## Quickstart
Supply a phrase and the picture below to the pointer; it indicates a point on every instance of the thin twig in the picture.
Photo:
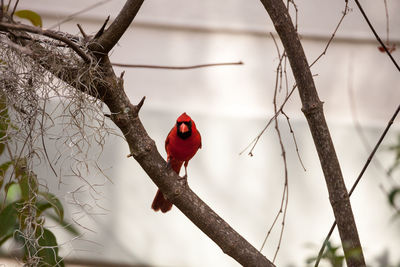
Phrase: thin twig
(15, 8)
(321, 251)
(357, 125)
(256, 139)
(344, 13)
(254, 142)
(85, 37)
(313, 111)
(387, 21)
(73, 15)
(102, 28)
(376, 35)
(294, 139)
(42, 137)
(140, 104)
(285, 194)
(4, 26)
(20, 49)
(1, 10)
(176, 67)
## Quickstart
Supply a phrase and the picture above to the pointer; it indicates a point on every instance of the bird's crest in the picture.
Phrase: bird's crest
(184, 118)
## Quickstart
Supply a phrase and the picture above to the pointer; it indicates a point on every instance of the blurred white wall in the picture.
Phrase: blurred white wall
(231, 105)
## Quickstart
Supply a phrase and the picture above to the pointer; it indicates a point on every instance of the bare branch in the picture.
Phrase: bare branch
(4, 26)
(294, 140)
(70, 17)
(111, 36)
(312, 108)
(376, 35)
(1, 9)
(82, 31)
(254, 142)
(344, 13)
(389, 124)
(285, 194)
(21, 49)
(143, 149)
(102, 28)
(140, 104)
(176, 67)
(110, 90)
(14, 9)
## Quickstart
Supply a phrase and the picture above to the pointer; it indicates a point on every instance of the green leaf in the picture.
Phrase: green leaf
(49, 249)
(3, 169)
(8, 219)
(30, 15)
(5, 238)
(51, 201)
(13, 191)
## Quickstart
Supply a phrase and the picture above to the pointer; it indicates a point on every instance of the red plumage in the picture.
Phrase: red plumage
(181, 145)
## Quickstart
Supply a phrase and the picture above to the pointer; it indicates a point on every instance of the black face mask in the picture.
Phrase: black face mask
(187, 134)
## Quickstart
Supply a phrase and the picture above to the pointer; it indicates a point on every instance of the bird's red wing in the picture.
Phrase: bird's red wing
(167, 140)
(200, 139)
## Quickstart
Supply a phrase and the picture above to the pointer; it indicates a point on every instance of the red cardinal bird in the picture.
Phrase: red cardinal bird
(181, 145)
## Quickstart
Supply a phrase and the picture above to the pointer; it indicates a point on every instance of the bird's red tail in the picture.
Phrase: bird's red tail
(161, 203)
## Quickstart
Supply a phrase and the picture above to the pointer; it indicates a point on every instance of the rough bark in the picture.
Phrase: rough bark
(313, 111)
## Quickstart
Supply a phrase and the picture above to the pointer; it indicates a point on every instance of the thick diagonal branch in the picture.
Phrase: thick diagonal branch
(312, 108)
(144, 150)
(111, 36)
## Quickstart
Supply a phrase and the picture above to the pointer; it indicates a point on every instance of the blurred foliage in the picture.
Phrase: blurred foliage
(394, 193)
(30, 15)
(396, 150)
(333, 255)
(24, 208)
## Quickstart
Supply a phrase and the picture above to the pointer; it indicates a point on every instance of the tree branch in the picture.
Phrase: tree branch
(111, 36)
(4, 26)
(313, 111)
(371, 155)
(176, 67)
(376, 35)
(110, 90)
(144, 150)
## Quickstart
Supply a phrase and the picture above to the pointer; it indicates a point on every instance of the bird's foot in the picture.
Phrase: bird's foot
(168, 164)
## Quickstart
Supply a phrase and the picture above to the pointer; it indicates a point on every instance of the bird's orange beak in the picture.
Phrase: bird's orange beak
(183, 128)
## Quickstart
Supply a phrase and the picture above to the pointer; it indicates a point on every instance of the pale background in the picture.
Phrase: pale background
(231, 105)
